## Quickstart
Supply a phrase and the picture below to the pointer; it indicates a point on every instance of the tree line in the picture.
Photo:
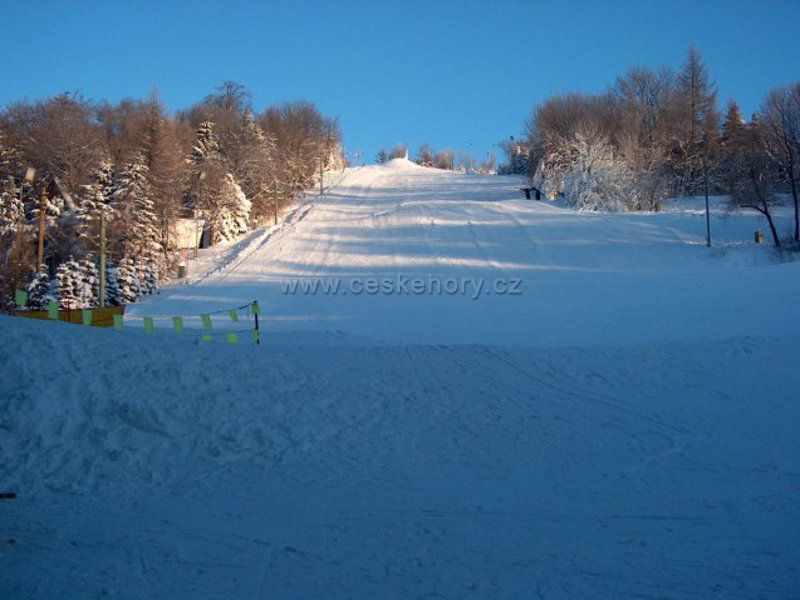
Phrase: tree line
(78, 168)
(446, 159)
(659, 133)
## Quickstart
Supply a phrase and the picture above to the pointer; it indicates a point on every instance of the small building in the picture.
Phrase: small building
(189, 233)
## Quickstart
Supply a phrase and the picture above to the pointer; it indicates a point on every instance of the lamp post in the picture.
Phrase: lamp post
(705, 189)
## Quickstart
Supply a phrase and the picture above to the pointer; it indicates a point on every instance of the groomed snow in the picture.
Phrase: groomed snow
(627, 427)
(586, 278)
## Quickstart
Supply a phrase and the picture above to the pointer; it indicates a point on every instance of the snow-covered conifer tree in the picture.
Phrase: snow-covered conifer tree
(96, 196)
(88, 284)
(206, 145)
(148, 277)
(11, 208)
(128, 278)
(65, 275)
(233, 218)
(113, 291)
(39, 295)
(133, 199)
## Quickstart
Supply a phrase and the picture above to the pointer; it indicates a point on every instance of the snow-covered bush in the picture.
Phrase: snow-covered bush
(596, 178)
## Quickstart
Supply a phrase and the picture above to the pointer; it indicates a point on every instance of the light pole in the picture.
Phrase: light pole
(705, 187)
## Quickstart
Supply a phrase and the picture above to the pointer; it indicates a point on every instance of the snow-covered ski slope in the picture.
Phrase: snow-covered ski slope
(626, 428)
(585, 278)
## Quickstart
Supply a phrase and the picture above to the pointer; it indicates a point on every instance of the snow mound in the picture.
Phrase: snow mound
(402, 164)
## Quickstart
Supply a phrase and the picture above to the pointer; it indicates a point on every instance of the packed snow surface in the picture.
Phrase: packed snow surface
(627, 426)
(585, 278)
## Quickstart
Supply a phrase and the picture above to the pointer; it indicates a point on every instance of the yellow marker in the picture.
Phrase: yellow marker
(148, 325)
(177, 323)
(86, 315)
(117, 322)
(52, 310)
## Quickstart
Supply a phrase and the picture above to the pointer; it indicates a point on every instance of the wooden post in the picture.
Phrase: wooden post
(42, 208)
(321, 174)
(255, 314)
(275, 202)
(102, 257)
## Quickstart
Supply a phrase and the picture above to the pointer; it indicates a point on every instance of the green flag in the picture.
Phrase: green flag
(206, 321)
(256, 335)
(86, 316)
(234, 315)
(148, 325)
(52, 310)
(256, 309)
(177, 323)
(117, 322)
(20, 298)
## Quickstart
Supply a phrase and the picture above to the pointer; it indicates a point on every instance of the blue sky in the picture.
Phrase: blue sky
(460, 74)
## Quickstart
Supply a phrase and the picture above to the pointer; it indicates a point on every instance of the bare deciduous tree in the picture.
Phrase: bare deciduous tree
(780, 121)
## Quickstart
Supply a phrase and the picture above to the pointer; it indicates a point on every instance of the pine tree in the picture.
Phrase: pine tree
(233, 217)
(251, 158)
(206, 145)
(39, 295)
(9, 159)
(96, 196)
(113, 291)
(65, 275)
(133, 198)
(12, 211)
(148, 277)
(147, 274)
(128, 278)
(697, 135)
(207, 179)
(88, 284)
(733, 123)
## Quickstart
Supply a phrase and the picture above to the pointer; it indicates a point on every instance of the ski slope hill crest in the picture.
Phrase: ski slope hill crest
(583, 278)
